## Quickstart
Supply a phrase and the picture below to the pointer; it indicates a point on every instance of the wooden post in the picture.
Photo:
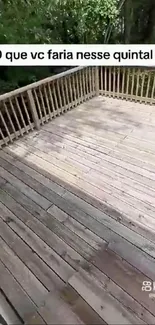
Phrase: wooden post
(97, 81)
(33, 109)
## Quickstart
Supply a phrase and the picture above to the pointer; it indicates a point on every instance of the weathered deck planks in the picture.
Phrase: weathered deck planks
(77, 217)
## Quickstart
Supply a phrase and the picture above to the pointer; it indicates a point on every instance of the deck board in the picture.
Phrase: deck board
(77, 217)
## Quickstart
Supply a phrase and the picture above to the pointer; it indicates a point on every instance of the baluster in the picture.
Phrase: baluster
(16, 118)
(110, 90)
(51, 100)
(38, 105)
(6, 128)
(90, 82)
(87, 89)
(71, 92)
(47, 101)
(118, 82)
(33, 109)
(114, 81)
(127, 84)
(59, 95)
(77, 85)
(43, 104)
(105, 80)
(142, 87)
(153, 88)
(63, 93)
(21, 115)
(93, 80)
(67, 93)
(55, 99)
(123, 82)
(83, 80)
(26, 111)
(137, 86)
(101, 74)
(10, 120)
(74, 90)
(132, 83)
(148, 87)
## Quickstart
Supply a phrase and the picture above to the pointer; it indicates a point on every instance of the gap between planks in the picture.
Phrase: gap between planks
(139, 220)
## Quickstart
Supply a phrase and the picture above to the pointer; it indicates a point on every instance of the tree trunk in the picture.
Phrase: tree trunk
(150, 33)
(127, 21)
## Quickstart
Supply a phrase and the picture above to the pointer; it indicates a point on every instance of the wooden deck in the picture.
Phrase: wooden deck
(77, 217)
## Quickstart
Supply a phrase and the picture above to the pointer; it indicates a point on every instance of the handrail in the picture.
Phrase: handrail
(31, 106)
(132, 83)
(39, 83)
(49, 79)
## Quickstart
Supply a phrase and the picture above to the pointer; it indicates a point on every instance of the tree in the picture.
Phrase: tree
(137, 19)
(21, 21)
(50, 21)
(68, 22)
(83, 21)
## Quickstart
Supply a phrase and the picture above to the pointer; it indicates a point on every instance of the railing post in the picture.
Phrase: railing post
(33, 109)
(97, 81)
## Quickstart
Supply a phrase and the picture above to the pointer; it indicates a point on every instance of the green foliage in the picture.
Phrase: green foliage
(50, 21)
(68, 22)
(83, 21)
(21, 21)
(47, 21)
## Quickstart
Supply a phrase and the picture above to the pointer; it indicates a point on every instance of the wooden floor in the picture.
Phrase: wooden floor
(77, 217)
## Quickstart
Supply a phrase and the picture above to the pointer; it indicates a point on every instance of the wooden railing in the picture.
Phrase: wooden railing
(29, 107)
(136, 84)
